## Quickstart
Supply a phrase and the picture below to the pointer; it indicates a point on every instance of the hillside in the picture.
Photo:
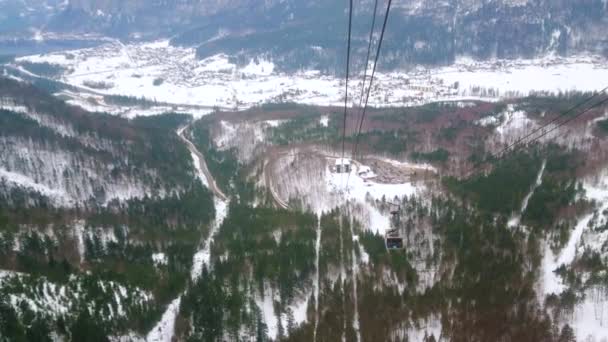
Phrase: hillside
(204, 170)
(99, 218)
(298, 34)
(311, 33)
(241, 228)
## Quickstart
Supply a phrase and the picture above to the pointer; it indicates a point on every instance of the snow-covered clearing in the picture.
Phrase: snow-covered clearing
(551, 73)
(358, 188)
(174, 75)
(165, 329)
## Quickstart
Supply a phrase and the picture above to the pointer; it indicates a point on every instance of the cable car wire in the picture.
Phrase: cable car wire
(546, 132)
(522, 144)
(350, 25)
(563, 114)
(371, 81)
(369, 50)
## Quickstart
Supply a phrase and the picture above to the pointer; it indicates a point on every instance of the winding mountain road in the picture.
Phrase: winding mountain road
(202, 165)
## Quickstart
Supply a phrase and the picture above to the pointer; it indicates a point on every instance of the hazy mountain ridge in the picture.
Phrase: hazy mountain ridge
(300, 34)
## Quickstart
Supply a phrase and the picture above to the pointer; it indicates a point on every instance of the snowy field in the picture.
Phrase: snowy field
(175, 77)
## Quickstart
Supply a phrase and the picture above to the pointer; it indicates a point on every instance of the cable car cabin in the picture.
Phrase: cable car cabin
(394, 243)
(343, 165)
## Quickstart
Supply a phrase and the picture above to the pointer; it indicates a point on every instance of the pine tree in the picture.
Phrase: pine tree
(567, 334)
(11, 328)
(86, 329)
(262, 331)
(39, 332)
(290, 321)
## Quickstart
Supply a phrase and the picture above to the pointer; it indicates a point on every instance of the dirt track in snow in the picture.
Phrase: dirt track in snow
(212, 184)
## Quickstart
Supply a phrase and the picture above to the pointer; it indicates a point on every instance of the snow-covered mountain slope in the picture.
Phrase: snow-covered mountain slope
(297, 250)
(100, 218)
(464, 256)
(575, 269)
(73, 157)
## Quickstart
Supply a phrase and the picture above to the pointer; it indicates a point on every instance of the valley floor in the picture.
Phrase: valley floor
(175, 79)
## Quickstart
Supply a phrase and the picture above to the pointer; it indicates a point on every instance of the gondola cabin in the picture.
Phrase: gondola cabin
(394, 243)
(343, 165)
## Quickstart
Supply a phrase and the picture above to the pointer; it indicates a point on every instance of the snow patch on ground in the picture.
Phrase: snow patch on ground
(165, 329)
(488, 121)
(228, 132)
(272, 320)
(588, 319)
(63, 129)
(513, 125)
(58, 196)
(360, 189)
(266, 306)
(55, 300)
(259, 68)
(131, 337)
(324, 121)
(203, 256)
(199, 170)
(421, 330)
(274, 123)
(357, 187)
(298, 309)
(524, 76)
(7, 274)
(516, 219)
(160, 259)
(552, 282)
(13, 108)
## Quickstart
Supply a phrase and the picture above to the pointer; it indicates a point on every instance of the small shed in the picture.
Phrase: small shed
(343, 165)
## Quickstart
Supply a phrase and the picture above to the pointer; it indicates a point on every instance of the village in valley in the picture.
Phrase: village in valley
(168, 77)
